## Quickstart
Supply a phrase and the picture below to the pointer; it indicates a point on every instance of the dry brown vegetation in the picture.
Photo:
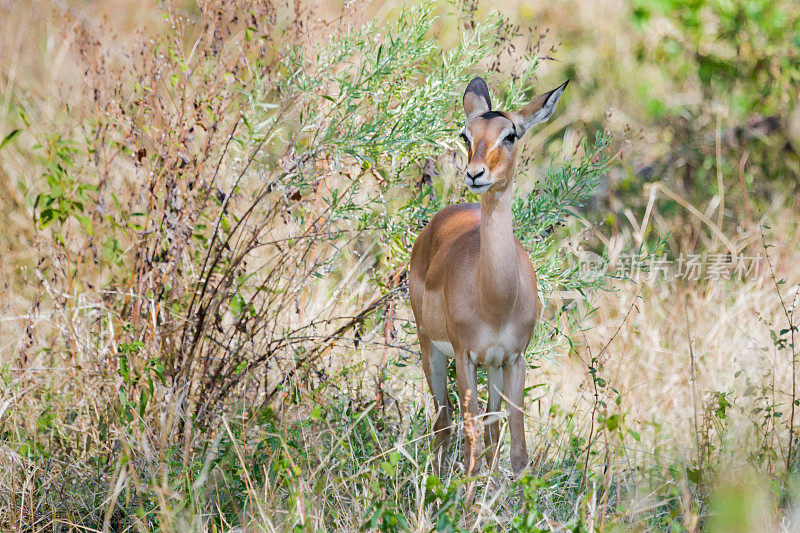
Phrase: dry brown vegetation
(204, 232)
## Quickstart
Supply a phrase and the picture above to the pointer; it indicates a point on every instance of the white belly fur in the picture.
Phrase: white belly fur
(444, 347)
(495, 355)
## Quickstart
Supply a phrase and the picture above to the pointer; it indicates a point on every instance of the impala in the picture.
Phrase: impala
(473, 286)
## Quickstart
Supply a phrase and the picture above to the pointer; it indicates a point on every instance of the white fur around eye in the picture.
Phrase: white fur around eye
(502, 137)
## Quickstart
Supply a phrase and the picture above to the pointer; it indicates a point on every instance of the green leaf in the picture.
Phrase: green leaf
(46, 217)
(237, 304)
(10, 137)
(111, 249)
(143, 399)
(124, 369)
(86, 223)
(158, 370)
(695, 475)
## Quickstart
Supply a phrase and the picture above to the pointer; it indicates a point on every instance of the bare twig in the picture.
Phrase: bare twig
(694, 384)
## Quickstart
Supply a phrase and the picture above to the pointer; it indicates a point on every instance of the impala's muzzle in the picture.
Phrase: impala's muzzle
(477, 179)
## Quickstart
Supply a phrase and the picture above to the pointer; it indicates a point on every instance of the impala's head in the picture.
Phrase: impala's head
(491, 136)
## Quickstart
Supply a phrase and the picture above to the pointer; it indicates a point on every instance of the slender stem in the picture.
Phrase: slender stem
(788, 312)
(593, 366)
(694, 385)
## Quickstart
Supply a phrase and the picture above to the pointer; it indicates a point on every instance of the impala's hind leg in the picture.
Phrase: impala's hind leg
(434, 363)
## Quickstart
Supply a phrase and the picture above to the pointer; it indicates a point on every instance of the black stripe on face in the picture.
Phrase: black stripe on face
(489, 115)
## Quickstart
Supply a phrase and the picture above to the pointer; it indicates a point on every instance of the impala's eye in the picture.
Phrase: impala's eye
(510, 138)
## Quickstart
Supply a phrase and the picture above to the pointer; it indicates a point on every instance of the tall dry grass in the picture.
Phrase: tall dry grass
(688, 425)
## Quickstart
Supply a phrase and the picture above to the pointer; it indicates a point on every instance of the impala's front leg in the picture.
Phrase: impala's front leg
(467, 378)
(434, 364)
(491, 436)
(514, 388)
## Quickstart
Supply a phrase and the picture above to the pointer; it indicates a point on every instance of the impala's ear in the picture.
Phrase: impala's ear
(539, 110)
(476, 98)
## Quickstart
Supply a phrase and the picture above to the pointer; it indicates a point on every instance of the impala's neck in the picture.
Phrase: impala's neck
(498, 274)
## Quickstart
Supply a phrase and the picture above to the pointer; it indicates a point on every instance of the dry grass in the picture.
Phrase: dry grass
(670, 353)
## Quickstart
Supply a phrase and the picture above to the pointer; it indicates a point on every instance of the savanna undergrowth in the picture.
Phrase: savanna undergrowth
(224, 227)
(208, 315)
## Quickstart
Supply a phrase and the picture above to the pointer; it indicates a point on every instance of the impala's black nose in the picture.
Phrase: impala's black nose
(473, 177)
